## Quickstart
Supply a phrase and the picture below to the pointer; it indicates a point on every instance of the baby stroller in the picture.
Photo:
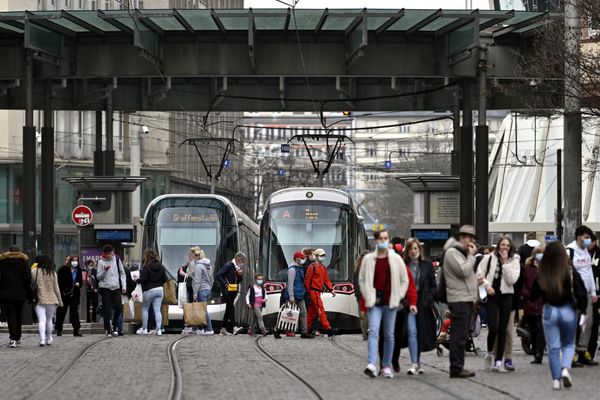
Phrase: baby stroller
(445, 329)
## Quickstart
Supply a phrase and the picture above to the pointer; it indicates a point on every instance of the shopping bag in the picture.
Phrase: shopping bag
(164, 311)
(194, 314)
(182, 294)
(137, 312)
(170, 292)
(128, 310)
(287, 320)
(136, 295)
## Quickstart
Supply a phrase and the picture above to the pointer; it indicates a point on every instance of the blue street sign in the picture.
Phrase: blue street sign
(281, 172)
(388, 164)
(550, 238)
(285, 148)
(226, 163)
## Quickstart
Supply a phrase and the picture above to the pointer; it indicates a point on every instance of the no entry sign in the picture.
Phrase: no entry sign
(82, 216)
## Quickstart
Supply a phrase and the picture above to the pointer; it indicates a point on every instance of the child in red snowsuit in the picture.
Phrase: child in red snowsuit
(315, 280)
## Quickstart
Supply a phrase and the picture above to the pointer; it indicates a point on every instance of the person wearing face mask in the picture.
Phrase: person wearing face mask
(461, 293)
(421, 323)
(229, 277)
(256, 300)
(315, 280)
(582, 262)
(595, 255)
(497, 273)
(112, 283)
(532, 310)
(70, 281)
(383, 283)
(202, 285)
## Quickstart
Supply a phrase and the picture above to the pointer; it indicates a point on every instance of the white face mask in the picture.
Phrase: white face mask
(74, 264)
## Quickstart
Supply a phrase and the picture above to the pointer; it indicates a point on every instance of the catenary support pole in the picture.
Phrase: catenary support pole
(29, 193)
(466, 158)
(481, 161)
(47, 176)
(572, 122)
(559, 196)
(109, 153)
(98, 153)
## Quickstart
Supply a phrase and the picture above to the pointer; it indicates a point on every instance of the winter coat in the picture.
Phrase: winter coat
(510, 272)
(203, 276)
(152, 275)
(426, 292)
(461, 284)
(48, 291)
(66, 285)
(398, 275)
(529, 277)
(228, 274)
(15, 277)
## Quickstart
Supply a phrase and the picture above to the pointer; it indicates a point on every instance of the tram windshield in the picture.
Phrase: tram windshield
(309, 224)
(180, 228)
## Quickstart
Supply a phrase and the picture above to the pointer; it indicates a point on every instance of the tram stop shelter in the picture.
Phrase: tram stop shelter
(260, 60)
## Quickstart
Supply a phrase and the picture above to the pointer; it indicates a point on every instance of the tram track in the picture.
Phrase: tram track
(310, 390)
(176, 387)
(69, 365)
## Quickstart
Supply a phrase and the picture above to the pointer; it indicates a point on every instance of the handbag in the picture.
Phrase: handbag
(288, 317)
(170, 292)
(182, 294)
(34, 288)
(232, 287)
(128, 309)
(194, 314)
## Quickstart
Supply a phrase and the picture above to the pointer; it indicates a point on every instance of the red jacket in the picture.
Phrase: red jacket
(411, 292)
(317, 278)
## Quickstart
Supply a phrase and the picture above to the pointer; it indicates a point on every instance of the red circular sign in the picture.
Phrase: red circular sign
(82, 216)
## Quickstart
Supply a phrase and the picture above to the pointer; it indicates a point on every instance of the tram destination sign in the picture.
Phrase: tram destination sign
(192, 215)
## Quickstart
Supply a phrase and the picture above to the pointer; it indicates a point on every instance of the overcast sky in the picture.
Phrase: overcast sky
(394, 4)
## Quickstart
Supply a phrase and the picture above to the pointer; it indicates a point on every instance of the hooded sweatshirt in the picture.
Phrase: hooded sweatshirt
(203, 275)
(461, 284)
(582, 261)
(113, 278)
(152, 276)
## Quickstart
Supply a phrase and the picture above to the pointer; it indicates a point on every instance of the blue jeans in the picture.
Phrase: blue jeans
(152, 297)
(413, 340)
(560, 326)
(204, 295)
(375, 315)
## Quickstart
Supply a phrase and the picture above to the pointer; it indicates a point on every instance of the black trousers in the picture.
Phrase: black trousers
(71, 304)
(110, 299)
(593, 345)
(92, 301)
(399, 337)
(536, 330)
(459, 331)
(498, 312)
(229, 317)
(13, 311)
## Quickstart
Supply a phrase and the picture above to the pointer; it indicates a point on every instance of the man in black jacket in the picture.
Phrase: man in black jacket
(15, 280)
(70, 281)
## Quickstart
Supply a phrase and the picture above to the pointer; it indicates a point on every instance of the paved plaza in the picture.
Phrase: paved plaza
(135, 367)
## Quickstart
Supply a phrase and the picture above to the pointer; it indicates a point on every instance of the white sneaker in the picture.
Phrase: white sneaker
(237, 329)
(18, 342)
(371, 371)
(152, 332)
(566, 378)
(208, 332)
(49, 341)
(498, 367)
(487, 361)
(420, 370)
(200, 332)
(414, 370)
(141, 331)
(556, 384)
(12, 344)
(42, 343)
(159, 332)
(387, 373)
(224, 332)
(3, 324)
(187, 330)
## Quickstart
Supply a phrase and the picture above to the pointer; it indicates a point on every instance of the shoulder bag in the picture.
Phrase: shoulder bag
(34, 288)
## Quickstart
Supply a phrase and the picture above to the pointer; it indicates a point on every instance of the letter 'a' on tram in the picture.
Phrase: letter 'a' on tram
(296, 218)
(176, 222)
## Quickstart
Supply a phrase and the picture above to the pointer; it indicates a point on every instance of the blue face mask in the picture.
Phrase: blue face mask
(260, 282)
(383, 245)
(587, 243)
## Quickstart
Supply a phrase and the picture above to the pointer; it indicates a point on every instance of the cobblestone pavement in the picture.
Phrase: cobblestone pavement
(134, 367)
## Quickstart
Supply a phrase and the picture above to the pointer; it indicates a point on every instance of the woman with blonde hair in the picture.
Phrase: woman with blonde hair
(152, 278)
(48, 294)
